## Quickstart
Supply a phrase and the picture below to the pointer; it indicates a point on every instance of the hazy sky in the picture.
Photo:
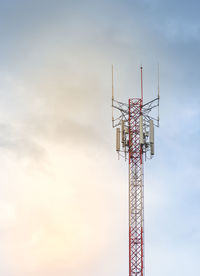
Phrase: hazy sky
(63, 193)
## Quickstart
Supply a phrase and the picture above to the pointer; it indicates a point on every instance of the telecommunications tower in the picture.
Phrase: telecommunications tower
(134, 124)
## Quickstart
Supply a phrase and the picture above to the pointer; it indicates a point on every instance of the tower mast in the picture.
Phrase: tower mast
(137, 138)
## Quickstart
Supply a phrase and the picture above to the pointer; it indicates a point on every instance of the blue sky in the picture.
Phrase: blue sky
(63, 193)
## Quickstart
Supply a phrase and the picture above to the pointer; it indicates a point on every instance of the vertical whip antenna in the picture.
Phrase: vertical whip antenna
(141, 83)
(158, 95)
(112, 95)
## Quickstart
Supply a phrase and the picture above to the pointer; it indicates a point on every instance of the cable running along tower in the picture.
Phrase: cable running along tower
(134, 123)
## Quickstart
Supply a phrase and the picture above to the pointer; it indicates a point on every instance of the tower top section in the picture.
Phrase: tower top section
(148, 113)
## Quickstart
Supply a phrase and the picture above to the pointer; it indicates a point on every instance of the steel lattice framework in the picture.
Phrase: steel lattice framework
(136, 189)
(137, 142)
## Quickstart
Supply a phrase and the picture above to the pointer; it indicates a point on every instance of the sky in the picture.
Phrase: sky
(63, 192)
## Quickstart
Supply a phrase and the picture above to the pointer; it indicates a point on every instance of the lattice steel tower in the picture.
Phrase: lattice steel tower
(135, 141)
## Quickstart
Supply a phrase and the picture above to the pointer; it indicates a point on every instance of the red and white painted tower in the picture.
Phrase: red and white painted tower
(135, 142)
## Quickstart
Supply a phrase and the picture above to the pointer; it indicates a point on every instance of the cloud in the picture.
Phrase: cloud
(65, 209)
